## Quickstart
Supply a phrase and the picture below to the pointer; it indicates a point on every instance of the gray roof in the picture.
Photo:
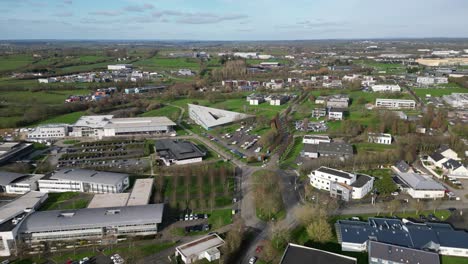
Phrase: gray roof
(400, 254)
(8, 177)
(179, 150)
(361, 180)
(209, 117)
(139, 122)
(42, 221)
(335, 172)
(335, 148)
(419, 182)
(436, 156)
(402, 166)
(402, 233)
(296, 254)
(91, 176)
(452, 164)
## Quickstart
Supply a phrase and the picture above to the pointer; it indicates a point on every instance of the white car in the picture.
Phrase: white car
(252, 260)
(395, 193)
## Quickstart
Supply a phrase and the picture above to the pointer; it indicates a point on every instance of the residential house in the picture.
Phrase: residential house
(380, 138)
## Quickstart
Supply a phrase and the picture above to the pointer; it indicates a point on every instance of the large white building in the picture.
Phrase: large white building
(426, 81)
(91, 223)
(119, 67)
(315, 139)
(81, 180)
(341, 184)
(420, 186)
(457, 100)
(380, 138)
(100, 126)
(209, 117)
(203, 248)
(44, 132)
(11, 217)
(386, 88)
(395, 103)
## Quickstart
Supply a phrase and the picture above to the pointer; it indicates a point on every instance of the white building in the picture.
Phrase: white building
(341, 184)
(209, 117)
(185, 72)
(265, 56)
(12, 215)
(315, 139)
(420, 186)
(246, 55)
(395, 103)
(457, 100)
(18, 183)
(50, 131)
(81, 180)
(119, 67)
(386, 88)
(203, 248)
(380, 138)
(426, 81)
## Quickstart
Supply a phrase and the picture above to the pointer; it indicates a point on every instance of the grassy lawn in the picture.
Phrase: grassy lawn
(42, 97)
(167, 111)
(70, 141)
(288, 160)
(66, 118)
(372, 147)
(441, 214)
(66, 201)
(453, 260)
(138, 251)
(219, 218)
(438, 92)
(389, 68)
(158, 63)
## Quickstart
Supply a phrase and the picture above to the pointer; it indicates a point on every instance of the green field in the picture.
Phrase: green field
(14, 62)
(389, 68)
(288, 159)
(372, 147)
(64, 119)
(438, 92)
(42, 97)
(167, 110)
(65, 201)
(158, 63)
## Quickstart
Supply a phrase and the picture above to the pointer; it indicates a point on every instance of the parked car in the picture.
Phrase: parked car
(252, 260)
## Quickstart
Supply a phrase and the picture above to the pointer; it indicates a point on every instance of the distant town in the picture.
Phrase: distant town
(350, 151)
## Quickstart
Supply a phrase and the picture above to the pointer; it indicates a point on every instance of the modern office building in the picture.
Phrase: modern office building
(11, 151)
(91, 223)
(18, 183)
(209, 117)
(51, 131)
(82, 180)
(395, 103)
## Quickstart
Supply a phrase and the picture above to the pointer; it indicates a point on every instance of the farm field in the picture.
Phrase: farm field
(161, 63)
(13, 62)
(42, 97)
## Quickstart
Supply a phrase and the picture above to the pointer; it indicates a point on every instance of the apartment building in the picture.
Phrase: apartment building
(395, 103)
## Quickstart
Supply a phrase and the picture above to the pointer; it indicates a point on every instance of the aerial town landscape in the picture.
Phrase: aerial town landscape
(315, 146)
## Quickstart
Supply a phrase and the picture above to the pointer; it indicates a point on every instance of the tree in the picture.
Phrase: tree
(393, 206)
(233, 240)
(305, 214)
(385, 185)
(418, 206)
(280, 235)
(320, 231)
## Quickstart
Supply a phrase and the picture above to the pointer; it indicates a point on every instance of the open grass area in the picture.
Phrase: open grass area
(438, 92)
(84, 67)
(453, 260)
(288, 159)
(138, 251)
(388, 68)
(65, 201)
(42, 97)
(14, 62)
(372, 147)
(65, 119)
(167, 111)
(219, 218)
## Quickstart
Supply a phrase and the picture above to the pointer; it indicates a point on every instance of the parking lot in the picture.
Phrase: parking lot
(105, 154)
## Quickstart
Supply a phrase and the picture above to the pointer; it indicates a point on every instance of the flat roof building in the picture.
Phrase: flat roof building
(18, 183)
(387, 253)
(82, 180)
(419, 186)
(10, 151)
(395, 103)
(109, 200)
(297, 254)
(141, 192)
(91, 223)
(178, 152)
(203, 248)
(209, 117)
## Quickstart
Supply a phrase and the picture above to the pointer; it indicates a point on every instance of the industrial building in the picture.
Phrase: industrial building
(91, 223)
(441, 238)
(203, 248)
(178, 152)
(82, 180)
(328, 149)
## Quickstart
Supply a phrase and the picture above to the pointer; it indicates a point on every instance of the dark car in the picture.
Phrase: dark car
(451, 209)
(423, 217)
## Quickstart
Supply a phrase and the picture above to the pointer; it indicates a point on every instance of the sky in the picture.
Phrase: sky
(232, 19)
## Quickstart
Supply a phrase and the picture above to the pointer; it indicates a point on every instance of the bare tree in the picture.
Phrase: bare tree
(320, 231)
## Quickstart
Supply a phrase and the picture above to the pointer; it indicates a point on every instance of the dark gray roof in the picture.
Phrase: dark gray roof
(452, 164)
(361, 180)
(92, 217)
(436, 156)
(311, 148)
(179, 150)
(91, 176)
(397, 232)
(402, 166)
(335, 148)
(335, 172)
(398, 254)
(8, 177)
(296, 254)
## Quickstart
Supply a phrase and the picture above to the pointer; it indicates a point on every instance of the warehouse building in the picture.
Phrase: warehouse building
(91, 223)
(81, 180)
